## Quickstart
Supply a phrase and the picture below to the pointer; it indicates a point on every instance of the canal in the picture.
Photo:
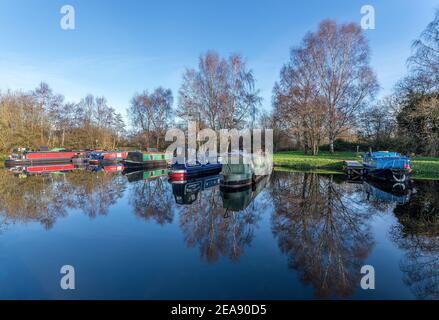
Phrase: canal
(292, 236)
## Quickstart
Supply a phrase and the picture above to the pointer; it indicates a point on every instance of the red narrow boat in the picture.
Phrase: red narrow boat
(40, 157)
(102, 157)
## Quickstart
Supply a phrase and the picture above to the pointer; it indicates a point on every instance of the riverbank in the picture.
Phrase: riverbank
(2, 160)
(423, 167)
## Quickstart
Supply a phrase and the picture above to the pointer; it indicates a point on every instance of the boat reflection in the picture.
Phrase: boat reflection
(388, 192)
(238, 199)
(206, 222)
(186, 192)
(48, 195)
(25, 171)
(150, 195)
(138, 175)
(323, 224)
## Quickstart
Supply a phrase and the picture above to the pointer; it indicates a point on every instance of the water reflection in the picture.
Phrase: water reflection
(151, 196)
(323, 224)
(47, 197)
(322, 230)
(417, 234)
(208, 221)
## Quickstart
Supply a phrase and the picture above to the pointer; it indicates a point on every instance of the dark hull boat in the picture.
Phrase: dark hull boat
(237, 176)
(242, 172)
(107, 157)
(388, 166)
(40, 157)
(142, 160)
(184, 172)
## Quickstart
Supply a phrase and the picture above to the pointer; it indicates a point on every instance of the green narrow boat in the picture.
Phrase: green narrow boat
(138, 159)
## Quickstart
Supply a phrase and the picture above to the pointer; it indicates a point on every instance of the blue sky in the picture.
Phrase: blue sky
(122, 47)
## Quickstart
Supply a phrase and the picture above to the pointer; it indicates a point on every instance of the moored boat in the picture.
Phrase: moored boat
(385, 165)
(139, 159)
(186, 171)
(28, 158)
(243, 170)
(236, 175)
(107, 157)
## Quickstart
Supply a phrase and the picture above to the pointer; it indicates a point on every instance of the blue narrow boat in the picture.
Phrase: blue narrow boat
(186, 171)
(385, 165)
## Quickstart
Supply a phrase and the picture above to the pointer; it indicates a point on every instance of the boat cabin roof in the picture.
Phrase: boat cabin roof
(384, 154)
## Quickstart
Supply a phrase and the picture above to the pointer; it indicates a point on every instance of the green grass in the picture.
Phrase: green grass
(423, 167)
(2, 160)
(325, 160)
(319, 171)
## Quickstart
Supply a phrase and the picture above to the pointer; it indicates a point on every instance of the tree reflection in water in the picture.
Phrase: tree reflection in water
(45, 198)
(216, 230)
(152, 199)
(418, 235)
(321, 229)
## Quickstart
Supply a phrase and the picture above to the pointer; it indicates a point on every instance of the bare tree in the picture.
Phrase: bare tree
(424, 62)
(220, 94)
(162, 105)
(331, 65)
(378, 123)
(41, 116)
(297, 102)
(151, 112)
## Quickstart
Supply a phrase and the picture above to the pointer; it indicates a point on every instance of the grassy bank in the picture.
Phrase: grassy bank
(423, 167)
(2, 160)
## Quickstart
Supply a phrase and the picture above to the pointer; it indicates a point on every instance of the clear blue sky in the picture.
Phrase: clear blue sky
(120, 47)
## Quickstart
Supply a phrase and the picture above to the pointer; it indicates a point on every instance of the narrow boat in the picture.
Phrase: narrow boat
(385, 165)
(28, 158)
(106, 157)
(236, 175)
(139, 159)
(186, 171)
(243, 170)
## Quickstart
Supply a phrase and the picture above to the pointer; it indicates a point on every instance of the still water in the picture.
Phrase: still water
(293, 236)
